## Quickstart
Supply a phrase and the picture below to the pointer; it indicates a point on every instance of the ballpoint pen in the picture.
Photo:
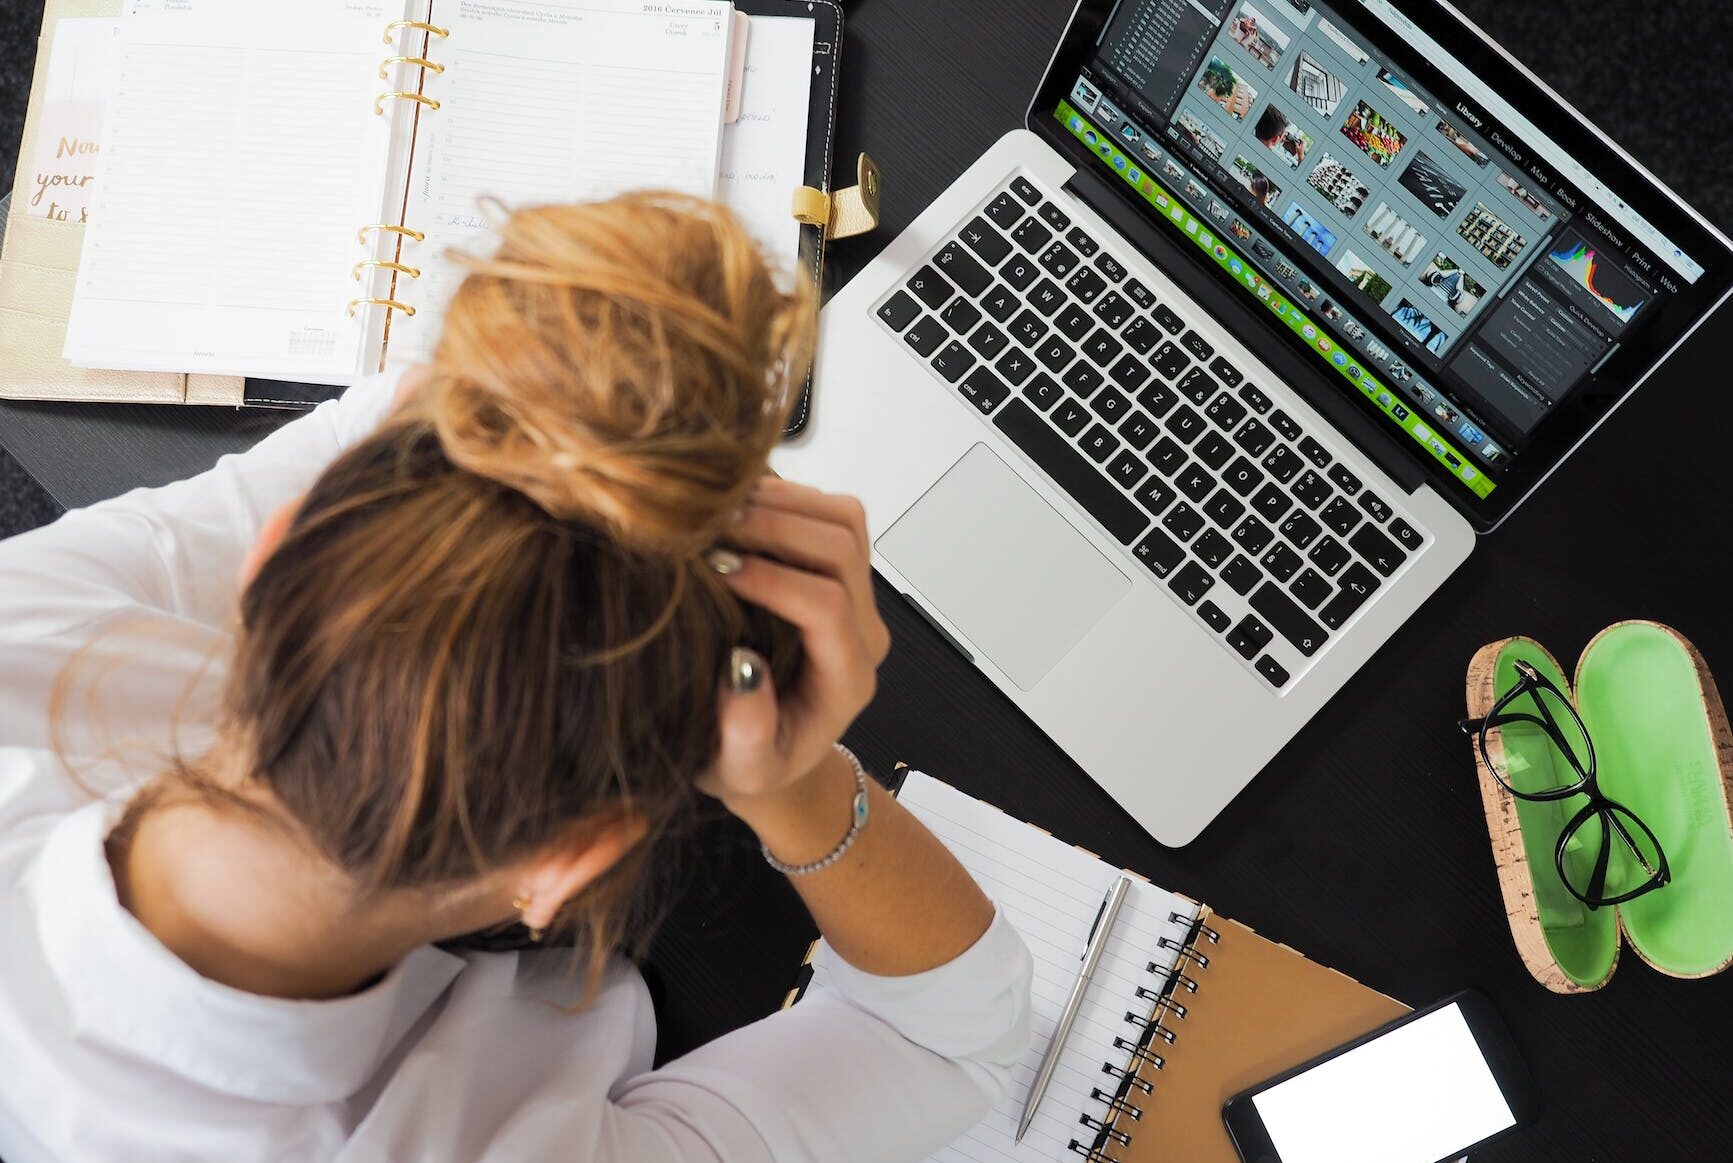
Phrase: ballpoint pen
(1091, 958)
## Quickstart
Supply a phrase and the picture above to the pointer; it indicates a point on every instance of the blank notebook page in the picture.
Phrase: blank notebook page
(554, 101)
(1051, 893)
(241, 155)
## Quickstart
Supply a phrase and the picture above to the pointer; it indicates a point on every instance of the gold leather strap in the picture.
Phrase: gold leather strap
(844, 213)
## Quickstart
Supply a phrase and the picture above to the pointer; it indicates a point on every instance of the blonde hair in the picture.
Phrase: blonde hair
(491, 619)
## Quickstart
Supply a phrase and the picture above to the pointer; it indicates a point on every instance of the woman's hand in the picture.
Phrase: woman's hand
(806, 559)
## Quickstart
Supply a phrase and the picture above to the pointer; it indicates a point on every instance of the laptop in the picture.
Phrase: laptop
(1186, 395)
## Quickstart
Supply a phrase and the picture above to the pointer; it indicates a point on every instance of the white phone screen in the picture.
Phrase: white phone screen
(1414, 1095)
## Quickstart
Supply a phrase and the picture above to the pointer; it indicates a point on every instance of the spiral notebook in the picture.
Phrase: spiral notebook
(1185, 1010)
(281, 182)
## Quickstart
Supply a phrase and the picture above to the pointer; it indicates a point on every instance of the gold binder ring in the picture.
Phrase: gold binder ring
(412, 272)
(379, 101)
(418, 62)
(397, 25)
(389, 228)
(388, 304)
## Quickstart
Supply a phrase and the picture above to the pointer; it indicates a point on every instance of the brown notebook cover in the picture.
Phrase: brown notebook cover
(1259, 1009)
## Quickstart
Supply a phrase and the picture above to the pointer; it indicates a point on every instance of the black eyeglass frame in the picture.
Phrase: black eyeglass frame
(1530, 682)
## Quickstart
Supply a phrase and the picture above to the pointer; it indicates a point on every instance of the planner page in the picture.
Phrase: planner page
(1052, 893)
(764, 153)
(241, 155)
(555, 101)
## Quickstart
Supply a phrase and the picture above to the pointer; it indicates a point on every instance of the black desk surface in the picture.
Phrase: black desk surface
(1363, 844)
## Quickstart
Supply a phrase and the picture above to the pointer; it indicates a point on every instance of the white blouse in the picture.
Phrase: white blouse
(112, 1048)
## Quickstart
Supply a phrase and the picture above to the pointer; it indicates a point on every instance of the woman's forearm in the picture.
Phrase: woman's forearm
(897, 903)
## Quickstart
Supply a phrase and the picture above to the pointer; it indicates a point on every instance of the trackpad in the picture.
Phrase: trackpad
(1003, 566)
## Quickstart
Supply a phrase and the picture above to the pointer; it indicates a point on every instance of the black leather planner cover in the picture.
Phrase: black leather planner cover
(820, 135)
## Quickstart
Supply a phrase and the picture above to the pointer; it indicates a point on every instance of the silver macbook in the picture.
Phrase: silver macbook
(1185, 396)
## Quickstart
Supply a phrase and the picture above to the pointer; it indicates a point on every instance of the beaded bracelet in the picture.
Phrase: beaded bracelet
(857, 824)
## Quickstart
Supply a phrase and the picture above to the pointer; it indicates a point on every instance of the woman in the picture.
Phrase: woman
(498, 627)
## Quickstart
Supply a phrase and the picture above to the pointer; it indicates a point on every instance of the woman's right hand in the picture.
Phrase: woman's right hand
(806, 558)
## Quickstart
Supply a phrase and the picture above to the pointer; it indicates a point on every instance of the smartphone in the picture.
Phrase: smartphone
(1424, 1089)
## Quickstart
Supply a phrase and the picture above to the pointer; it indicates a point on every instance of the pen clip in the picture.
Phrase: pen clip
(1096, 924)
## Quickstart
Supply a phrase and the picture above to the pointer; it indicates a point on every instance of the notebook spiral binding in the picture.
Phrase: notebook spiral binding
(1118, 1098)
(419, 60)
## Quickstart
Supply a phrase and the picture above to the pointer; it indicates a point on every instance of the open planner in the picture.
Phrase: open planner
(283, 185)
(1184, 1010)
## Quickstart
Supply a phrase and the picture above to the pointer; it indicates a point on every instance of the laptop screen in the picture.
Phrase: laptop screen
(1468, 276)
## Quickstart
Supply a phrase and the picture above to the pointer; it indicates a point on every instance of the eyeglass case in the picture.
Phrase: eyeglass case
(1663, 749)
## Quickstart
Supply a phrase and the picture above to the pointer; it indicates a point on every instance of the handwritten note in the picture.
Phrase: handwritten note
(69, 134)
(764, 153)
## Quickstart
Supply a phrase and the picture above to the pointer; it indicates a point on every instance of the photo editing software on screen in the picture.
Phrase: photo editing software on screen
(1462, 278)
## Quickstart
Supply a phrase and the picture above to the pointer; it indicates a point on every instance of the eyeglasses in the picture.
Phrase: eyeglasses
(1513, 742)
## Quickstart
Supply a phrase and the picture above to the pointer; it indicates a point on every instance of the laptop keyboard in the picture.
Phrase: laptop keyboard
(1248, 519)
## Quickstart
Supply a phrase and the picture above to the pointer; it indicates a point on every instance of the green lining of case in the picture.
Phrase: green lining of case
(1639, 695)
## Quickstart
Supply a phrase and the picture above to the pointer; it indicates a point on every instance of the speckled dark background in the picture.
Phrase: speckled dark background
(1645, 73)
(22, 504)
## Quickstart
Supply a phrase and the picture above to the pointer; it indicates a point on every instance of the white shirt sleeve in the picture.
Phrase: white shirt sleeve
(159, 564)
(864, 1068)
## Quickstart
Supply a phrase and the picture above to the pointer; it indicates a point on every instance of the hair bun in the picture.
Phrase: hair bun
(630, 363)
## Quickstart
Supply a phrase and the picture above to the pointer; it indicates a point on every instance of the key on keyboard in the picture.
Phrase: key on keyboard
(899, 310)
(1082, 379)
(1004, 210)
(1083, 481)
(1059, 259)
(925, 336)
(961, 315)
(1031, 235)
(1249, 637)
(1042, 391)
(1192, 583)
(1114, 309)
(1357, 586)
(1290, 621)
(1141, 336)
(1074, 323)
(984, 390)
(1161, 553)
(952, 361)
(986, 242)
(1086, 285)
(962, 269)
